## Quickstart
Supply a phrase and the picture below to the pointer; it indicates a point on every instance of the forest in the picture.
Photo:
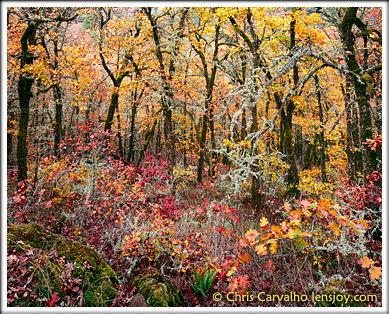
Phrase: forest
(194, 156)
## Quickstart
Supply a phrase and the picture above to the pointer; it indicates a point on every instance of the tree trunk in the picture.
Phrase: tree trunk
(167, 98)
(256, 195)
(58, 119)
(24, 92)
(130, 155)
(208, 114)
(213, 142)
(203, 138)
(111, 110)
(170, 138)
(292, 175)
(360, 83)
(321, 136)
(350, 142)
(10, 120)
(293, 178)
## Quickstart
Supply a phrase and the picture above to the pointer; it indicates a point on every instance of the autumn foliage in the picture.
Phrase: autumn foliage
(236, 150)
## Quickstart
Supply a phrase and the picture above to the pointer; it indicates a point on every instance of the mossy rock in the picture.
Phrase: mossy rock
(98, 281)
(157, 290)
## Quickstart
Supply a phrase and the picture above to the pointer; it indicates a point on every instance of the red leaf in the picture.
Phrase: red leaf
(55, 299)
(244, 281)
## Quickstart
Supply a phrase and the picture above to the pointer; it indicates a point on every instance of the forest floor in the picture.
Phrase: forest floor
(207, 240)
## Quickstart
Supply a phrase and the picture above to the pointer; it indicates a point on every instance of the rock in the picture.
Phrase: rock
(98, 280)
(138, 300)
(157, 290)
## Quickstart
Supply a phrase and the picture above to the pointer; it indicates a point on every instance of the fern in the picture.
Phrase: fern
(203, 283)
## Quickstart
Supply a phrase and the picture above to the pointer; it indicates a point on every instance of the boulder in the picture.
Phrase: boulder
(138, 300)
(158, 290)
(98, 280)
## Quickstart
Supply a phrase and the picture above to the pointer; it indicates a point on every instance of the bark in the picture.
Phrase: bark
(358, 160)
(119, 135)
(116, 80)
(213, 141)
(58, 119)
(369, 157)
(57, 93)
(149, 137)
(321, 136)
(130, 155)
(114, 103)
(167, 98)
(292, 178)
(292, 174)
(208, 115)
(350, 142)
(298, 146)
(256, 195)
(10, 120)
(24, 93)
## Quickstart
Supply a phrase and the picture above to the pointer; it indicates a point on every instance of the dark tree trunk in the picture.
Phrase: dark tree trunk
(350, 126)
(200, 166)
(321, 136)
(119, 135)
(213, 142)
(292, 175)
(58, 119)
(24, 92)
(167, 98)
(111, 110)
(357, 140)
(149, 137)
(208, 115)
(256, 195)
(10, 143)
(369, 157)
(170, 138)
(293, 178)
(130, 155)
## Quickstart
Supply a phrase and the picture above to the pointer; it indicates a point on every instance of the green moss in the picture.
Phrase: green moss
(329, 296)
(97, 282)
(157, 290)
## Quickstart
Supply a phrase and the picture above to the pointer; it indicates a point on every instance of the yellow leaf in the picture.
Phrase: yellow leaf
(366, 262)
(231, 271)
(375, 272)
(290, 234)
(261, 249)
(251, 235)
(264, 221)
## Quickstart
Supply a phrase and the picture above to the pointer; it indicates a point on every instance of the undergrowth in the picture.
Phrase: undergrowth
(136, 217)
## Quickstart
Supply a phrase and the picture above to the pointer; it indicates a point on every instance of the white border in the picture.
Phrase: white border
(5, 4)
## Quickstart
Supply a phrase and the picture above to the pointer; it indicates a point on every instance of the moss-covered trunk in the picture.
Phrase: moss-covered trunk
(24, 93)
(360, 82)
(111, 110)
(351, 165)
